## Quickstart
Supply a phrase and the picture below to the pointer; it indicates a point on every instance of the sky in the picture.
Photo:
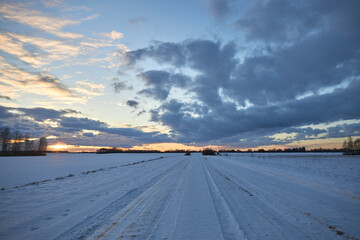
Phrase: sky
(181, 74)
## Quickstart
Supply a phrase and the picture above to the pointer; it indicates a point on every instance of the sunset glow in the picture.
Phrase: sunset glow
(58, 147)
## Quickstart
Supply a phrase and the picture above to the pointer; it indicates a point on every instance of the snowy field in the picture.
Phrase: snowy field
(172, 196)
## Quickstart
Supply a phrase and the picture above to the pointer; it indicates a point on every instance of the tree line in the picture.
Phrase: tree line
(18, 144)
(351, 147)
(117, 150)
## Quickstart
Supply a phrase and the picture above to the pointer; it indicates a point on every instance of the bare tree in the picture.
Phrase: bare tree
(357, 144)
(17, 141)
(344, 145)
(350, 143)
(42, 145)
(5, 135)
(29, 145)
(351, 147)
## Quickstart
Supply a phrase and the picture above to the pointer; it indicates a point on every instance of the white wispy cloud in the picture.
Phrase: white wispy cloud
(18, 82)
(113, 35)
(45, 54)
(90, 17)
(46, 50)
(89, 90)
(52, 3)
(16, 48)
(37, 20)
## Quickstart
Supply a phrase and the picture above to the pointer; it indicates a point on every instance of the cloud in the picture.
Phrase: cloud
(33, 121)
(304, 69)
(136, 20)
(52, 3)
(215, 61)
(19, 81)
(39, 52)
(159, 83)
(113, 35)
(88, 90)
(5, 97)
(162, 52)
(132, 103)
(219, 8)
(281, 20)
(37, 20)
(226, 121)
(120, 85)
(91, 17)
(116, 35)
(38, 55)
(16, 48)
(16, 45)
(88, 134)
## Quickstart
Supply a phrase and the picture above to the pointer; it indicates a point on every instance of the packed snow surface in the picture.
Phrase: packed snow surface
(172, 196)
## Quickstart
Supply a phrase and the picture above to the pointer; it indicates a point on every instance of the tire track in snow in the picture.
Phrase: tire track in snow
(229, 225)
(272, 200)
(142, 217)
(319, 186)
(258, 220)
(87, 227)
(171, 207)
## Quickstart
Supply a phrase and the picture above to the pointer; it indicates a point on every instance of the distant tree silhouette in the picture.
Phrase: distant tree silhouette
(42, 145)
(208, 151)
(357, 144)
(29, 145)
(299, 149)
(17, 144)
(344, 144)
(351, 147)
(17, 140)
(350, 143)
(5, 138)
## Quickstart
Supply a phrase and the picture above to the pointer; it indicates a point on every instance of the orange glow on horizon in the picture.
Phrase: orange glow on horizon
(59, 146)
(73, 148)
(309, 144)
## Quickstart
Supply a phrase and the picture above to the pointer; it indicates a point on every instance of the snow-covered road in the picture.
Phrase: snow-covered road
(193, 197)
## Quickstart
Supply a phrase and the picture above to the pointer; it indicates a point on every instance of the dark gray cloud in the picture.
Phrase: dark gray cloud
(88, 134)
(162, 52)
(159, 83)
(180, 80)
(30, 120)
(141, 112)
(226, 121)
(54, 81)
(306, 66)
(215, 61)
(72, 124)
(132, 103)
(281, 75)
(120, 85)
(283, 20)
(5, 114)
(252, 81)
(304, 70)
(219, 8)
(5, 97)
(344, 130)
